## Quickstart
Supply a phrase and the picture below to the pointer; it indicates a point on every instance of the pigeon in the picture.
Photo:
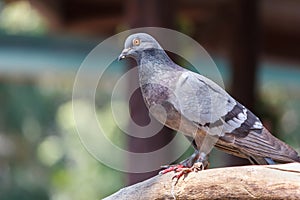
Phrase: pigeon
(199, 108)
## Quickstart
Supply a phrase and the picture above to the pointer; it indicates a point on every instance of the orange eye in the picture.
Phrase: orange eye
(136, 42)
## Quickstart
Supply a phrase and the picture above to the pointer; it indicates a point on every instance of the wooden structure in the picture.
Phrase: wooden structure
(248, 182)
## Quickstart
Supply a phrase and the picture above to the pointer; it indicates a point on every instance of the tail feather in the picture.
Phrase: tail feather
(265, 145)
(269, 161)
(261, 161)
(259, 147)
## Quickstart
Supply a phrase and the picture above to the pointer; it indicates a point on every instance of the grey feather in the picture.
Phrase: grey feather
(197, 106)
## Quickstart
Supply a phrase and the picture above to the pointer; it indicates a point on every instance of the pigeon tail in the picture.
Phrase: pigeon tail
(265, 145)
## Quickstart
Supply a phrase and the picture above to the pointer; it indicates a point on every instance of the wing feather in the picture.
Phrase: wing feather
(211, 107)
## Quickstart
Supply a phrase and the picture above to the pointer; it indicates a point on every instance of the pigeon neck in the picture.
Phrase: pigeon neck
(153, 64)
(155, 57)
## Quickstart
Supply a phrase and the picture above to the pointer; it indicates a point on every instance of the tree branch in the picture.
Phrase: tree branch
(246, 182)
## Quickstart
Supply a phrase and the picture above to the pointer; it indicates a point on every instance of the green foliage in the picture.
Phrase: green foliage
(41, 154)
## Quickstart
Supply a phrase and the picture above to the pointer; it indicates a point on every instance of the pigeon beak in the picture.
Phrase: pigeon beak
(124, 54)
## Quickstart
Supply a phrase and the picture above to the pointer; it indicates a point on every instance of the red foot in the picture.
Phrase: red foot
(172, 168)
(182, 170)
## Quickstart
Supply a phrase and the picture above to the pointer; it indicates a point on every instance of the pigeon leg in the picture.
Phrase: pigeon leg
(197, 162)
(200, 163)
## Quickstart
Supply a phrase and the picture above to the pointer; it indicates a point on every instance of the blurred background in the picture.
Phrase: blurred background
(255, 44)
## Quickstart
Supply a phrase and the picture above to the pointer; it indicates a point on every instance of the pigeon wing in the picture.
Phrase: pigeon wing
(211, 107)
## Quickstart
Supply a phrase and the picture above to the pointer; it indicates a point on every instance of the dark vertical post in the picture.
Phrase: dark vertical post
(244, 55)
(143, 13)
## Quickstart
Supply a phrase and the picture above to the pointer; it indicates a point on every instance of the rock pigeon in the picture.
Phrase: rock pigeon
(199, 108)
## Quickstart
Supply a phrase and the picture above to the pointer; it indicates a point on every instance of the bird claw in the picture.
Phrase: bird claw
(197, 162)
(171, 168)
(182, 170)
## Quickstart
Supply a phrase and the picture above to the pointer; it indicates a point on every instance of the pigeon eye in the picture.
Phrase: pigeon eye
(136, 42)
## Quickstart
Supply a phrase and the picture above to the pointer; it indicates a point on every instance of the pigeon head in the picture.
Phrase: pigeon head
(135, 44)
